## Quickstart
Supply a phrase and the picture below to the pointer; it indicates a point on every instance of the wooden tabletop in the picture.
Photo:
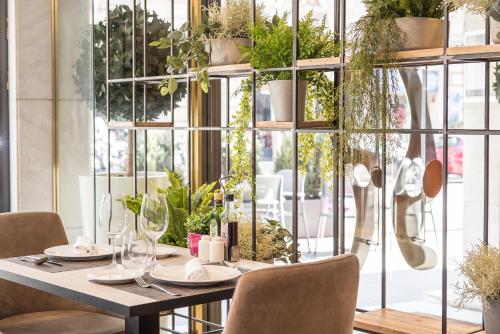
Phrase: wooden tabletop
(126, 300)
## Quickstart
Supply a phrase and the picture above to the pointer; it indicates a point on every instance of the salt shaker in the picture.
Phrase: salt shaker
(204, 248)
(217, 250)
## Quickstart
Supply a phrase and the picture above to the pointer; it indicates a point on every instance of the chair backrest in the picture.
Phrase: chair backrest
(25, 234)
(288, 180)
(269, 187)
(317, 297)
(30, 233)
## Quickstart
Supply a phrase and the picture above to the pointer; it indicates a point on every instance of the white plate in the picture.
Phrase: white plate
(113, 276)
(177, 275)
(162, 251)
(67, 252)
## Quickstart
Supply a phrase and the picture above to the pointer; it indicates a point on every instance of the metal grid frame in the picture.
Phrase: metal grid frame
(338, 221)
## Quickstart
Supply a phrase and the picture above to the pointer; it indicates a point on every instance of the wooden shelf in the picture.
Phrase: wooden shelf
(387, 321)
(230, 69)
(139, 125)
(273, 125)
(289, 125)
(320, 62)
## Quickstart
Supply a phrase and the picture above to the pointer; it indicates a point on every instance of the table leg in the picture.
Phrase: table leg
(144, 324)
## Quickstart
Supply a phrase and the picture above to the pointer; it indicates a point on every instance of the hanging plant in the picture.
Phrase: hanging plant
(274, 49)
(370, 87)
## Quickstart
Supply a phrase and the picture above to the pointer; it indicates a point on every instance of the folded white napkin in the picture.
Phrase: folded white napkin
(83, 246)
(195, 271)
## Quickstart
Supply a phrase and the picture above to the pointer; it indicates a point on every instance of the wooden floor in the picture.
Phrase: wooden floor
(387, 321)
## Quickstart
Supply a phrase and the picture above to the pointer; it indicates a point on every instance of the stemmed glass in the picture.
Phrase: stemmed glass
(154, 218)
(134, 252)
(113, 221)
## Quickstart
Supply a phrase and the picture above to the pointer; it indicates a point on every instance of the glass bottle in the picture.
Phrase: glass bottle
(229, 224)
(215, 222)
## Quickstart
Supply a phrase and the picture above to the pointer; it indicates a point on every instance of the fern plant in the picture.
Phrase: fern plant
(178, 206)
(274, 49)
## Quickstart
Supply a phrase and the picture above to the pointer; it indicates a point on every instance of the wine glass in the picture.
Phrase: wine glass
(135, 253)
(113, 221)
(154, 218)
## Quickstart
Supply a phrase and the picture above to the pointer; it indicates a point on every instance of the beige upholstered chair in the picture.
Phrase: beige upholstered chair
(28, 311)
(318, 297)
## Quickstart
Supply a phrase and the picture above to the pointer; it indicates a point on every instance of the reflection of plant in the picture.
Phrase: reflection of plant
(178, 208)
(190, 46)
(273, 241)
(480, 7)
(481, 273)
(120, 47)
(232, 19)
(274, 42)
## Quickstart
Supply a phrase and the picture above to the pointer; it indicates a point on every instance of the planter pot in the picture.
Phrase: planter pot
(282, 99)
(421, 32)
(492, 317)
(226, 51)
(119, 185)
(495, 31)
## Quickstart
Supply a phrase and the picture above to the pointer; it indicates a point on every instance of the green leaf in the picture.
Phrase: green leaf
(172, 85)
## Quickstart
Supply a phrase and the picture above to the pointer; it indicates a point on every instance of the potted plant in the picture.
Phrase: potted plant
(274, 242)
(274, 49)
(480, 271)
(483, 7)
(229, 26)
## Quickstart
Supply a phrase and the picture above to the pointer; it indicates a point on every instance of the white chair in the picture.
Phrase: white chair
(287, 175)
(269, 196)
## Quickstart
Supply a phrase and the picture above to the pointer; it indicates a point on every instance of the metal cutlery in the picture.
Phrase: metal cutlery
(144, 284)
(38, 260)
(227, 264)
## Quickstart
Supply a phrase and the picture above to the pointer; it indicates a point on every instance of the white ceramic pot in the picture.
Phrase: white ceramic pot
(282, 99)
(119, 185)
(421, 32)
(495, 31)
(227, 51)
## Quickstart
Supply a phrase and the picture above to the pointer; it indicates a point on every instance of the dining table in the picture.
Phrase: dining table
(140, 307)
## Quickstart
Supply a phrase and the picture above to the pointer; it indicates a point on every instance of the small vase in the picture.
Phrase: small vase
(193, 240)
(492, 317)
(226, 51)
(282, 99)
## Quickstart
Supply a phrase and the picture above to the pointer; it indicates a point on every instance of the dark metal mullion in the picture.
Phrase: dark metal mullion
(188, 132)
(341, 128)
(134, 93)
(444, 278)
(172, 105)
(5, 200)
(336, 163)
(108, 118)
(228, 110)
(486, 137)
(94, 106)
(295, 55)
(254, 147)
(144, 91)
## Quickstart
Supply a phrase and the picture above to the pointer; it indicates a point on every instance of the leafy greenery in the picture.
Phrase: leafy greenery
(274, 44)
(120, 48)
(370, 86)
(190, 47)
(178, 206)
(232, 19)
(403, 8)
(480, 7)
(480, 272)
(273, 241)
(201, 222)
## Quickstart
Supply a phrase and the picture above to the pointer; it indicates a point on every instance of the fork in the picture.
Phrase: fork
(144, 284)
